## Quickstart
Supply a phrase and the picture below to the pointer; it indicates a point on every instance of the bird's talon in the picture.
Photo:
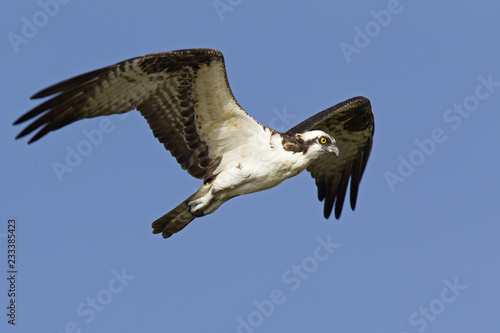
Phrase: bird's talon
(197, 213)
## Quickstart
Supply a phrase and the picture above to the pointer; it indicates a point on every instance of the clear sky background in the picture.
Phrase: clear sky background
(419, 254)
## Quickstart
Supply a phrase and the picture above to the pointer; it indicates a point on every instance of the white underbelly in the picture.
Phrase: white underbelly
(245, 173)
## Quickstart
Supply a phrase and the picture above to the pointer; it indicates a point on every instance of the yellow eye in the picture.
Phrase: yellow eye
(323, 140)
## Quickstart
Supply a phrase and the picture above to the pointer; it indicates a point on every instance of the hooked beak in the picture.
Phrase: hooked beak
(332, 149)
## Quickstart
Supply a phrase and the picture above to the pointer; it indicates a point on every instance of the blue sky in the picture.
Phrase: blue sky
(419, 254)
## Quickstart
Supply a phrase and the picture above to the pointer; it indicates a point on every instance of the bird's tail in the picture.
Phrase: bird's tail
(175, 220)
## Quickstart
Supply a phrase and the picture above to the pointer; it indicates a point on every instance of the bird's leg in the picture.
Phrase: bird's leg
(198, 205)
(214, 193)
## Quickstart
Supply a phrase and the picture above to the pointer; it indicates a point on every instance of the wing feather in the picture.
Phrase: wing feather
(183, 95)
(351, 124)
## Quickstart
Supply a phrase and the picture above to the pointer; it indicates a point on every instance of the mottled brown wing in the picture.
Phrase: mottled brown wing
(184, 96)
(351, 124)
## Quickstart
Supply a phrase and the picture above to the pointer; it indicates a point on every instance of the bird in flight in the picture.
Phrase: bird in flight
(185, 97)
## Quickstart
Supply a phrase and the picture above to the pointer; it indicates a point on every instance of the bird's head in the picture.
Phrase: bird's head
(320, 142)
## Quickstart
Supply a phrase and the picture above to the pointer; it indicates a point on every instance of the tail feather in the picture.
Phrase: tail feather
(173, 221)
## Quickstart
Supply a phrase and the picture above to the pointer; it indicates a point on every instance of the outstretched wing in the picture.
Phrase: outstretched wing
(351, 124)
(184, 96)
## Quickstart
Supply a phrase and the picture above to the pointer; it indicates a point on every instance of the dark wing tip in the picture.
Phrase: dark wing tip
(30, 114)
(41, 94)
(35, 137)
(19, 120)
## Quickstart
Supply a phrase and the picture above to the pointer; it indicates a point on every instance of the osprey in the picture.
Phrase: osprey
(185, 97)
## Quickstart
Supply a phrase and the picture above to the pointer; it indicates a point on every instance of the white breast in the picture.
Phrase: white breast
(258, 165)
